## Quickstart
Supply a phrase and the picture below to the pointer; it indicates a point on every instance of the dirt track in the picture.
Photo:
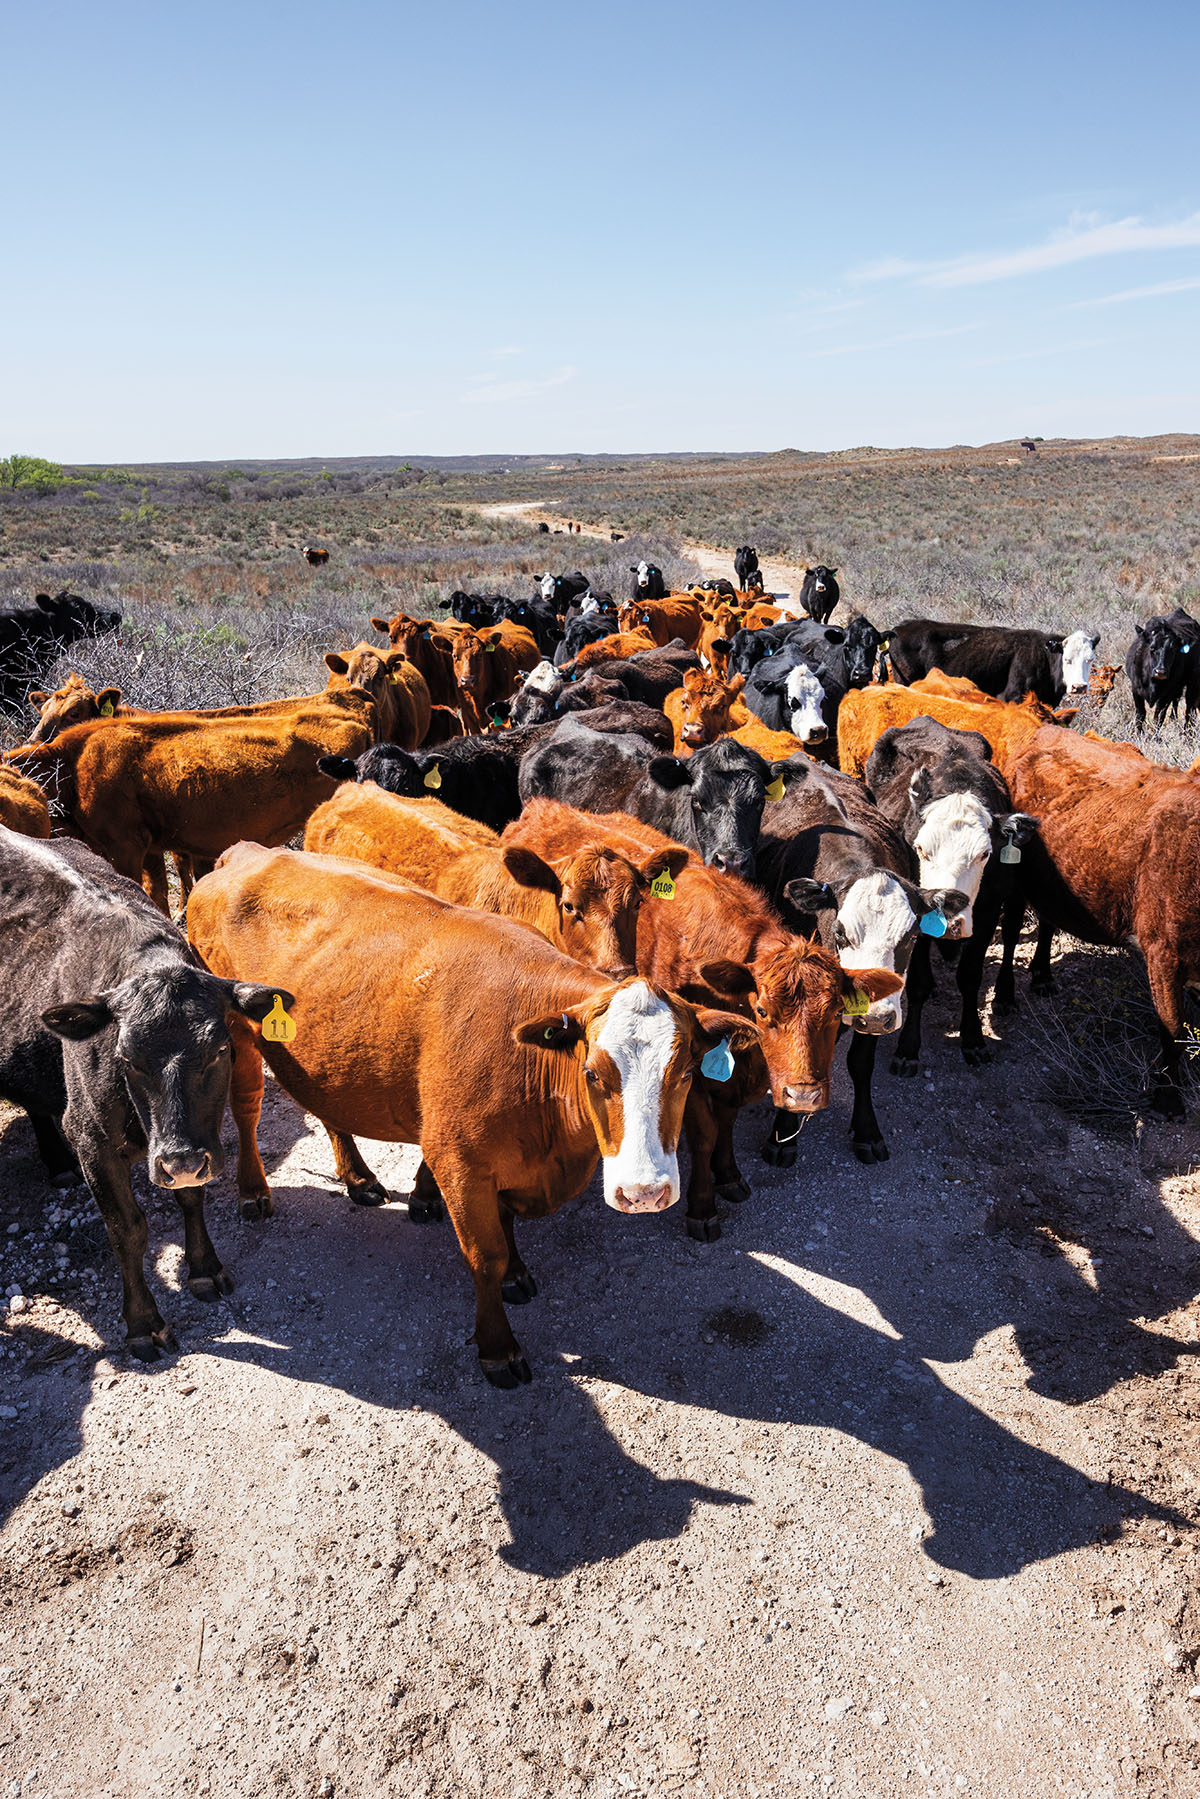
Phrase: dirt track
(887, 1492)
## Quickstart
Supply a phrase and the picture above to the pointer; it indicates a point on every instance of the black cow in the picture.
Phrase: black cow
(648, 582)
(952, 805)
(538, 618)
(1163, 666)
(33, 637)
(820, 593)
(846, 654)
(476, 609)
(559, 590)
(838, 869)
(117, 1044)
(617, 536)
(745, 564)
(712, 801)
(1003, 662)
(544, 695)
(543, 528)
(648, 675)
(579, 632)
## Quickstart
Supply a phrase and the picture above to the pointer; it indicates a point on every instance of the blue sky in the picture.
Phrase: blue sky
(266, 230)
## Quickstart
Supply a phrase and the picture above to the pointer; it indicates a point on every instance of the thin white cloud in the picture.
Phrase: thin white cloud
(493, 393)
(509, 350)
(1080, 241)
(1138, 293)
(903, 337)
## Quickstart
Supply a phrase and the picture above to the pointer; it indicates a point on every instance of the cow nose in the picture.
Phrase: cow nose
(186, 1168)
(692, 733)
(815, 734)
(742, 866)
(644, 1198)
(960, 926)
(803, 1099)
(882, 1017)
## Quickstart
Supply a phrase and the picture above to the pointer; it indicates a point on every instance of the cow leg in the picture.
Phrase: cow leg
(919, 985)
(518, 1286)
(425, 1201)
(1041, 980)
(475, 1211)
(728, 1179)
(245, 1102)
(207, 1279)
(866, 1138)
(1004, 999)
(54, 1150)
(969, 975)
(185, 873)
(700, 1129)
(1139, 711)
(361, 1184)
(146, 1334)
(154, 880)
(1166, 991)
(779, 1150)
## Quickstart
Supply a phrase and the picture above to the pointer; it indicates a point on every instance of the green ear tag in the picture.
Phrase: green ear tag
(277, 1026)
(490, 648)
(663, 885)
(434, 778)
(106, 711)
(775, 790)
(856, 1005)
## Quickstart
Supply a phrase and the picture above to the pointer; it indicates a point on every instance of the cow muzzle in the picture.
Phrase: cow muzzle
(653, 1198)
(694, 734)
(186, 1168)
(802, 1099)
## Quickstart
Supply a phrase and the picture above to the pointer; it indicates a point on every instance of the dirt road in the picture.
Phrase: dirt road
(886, 1492)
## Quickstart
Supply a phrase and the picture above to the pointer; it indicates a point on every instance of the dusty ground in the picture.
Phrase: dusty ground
(888, 1492)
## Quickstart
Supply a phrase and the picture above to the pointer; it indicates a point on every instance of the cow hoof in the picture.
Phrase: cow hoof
(518, 1289)
(210, 1288)
(69, 1177)
(425, 1211)
(367, 1193)
(735, 1191)
(1043, 986)
(704, 1230)
(1004, 1008)
(906, 1067)
(150, 1347)
(977, 1055)
(871, 1150)
(513, 1373)
(256, 1206)
(779, 1155)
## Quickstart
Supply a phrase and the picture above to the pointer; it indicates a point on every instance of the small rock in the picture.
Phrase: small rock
(836, 1710)
(934, 1578)
(189, 1386)
(8, 1411)
(878, 1719)
(13, 1292)
(1194, 1693)
(707, 1337)
(71, 1508)
(19, 1304)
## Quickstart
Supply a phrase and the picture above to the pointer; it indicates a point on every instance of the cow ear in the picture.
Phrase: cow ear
(1019, 827)
(255, 1002)
(920, 787)
(38, 698)
(337, 665)
(44, 603)
(338, 768)
(79, 1020)
(672, 862)
(380, 624)
(669, 773)
(557, 1030)
(809, 896)
(876, 983)
(834, 634)
(528, 870)
(722, 646)
(733, 978)
(1055, 643)
(740, 1033)
(445, 605)
(109, 696)
(692, 678)
(792, 772)
(833, 571)
(734, 686)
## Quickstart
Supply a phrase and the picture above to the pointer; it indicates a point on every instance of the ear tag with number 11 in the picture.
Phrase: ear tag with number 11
(277, 1027)
(718, 1063)
(663, 885)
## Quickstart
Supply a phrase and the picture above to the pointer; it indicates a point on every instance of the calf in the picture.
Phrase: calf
(488, 666)
(1159, 664)
(830, 859)
(788, 695)
(399, 690)
(515, 1069)
(648, 582)
(74, 703)
(819, 593)
(33, 637)
(118, 1046)
(703, 709)
(675, 615)
(581, 633)
(607, 646)
(745, 564)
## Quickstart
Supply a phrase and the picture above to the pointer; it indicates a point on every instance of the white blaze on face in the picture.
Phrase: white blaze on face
(876, 918)
(638, 1035)
(643, 574)
(954, 846)
(805, 697)
(542, 679)
(588, 605)
(1079, 652)
(546, 587)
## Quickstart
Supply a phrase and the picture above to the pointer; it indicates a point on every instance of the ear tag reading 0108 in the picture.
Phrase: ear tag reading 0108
(277, 1026)
(663, 885)
(856, 1004)
(718, 1063)
(106, 711)
(775, 790)
(434, 777)
(934, 924)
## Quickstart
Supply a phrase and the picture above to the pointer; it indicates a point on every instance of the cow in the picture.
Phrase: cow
(545, 697)
(514, 1068)
(1078, 656)
(703, 709)
(23, 805)
(607, 646)
(953, 701)
(1005, 663)
(543, 528)
(314, 558)
(475, 609)
(586, 903)
(429, 649)
(33, 637)
(952, 805)
(745, 564)
(560, 590)
(675, 615)
(788, 695)
(194, 783)
(537, 616)
(118, 1046)
(648, 582)
(1103, 679)
(648, 675)
(711, 801)
(833, 864)
(1163, 666)
(580, 633)
(488, 666)
(712, 935)
(1028, 445)
(72, 704)
(616, 536)
(399, 690)
(819, 593)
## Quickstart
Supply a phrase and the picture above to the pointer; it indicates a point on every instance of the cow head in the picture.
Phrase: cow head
(473, 653)
(168, 1030)
(955, 839)
(73, 704)
(876, 917)
(804, 696)
(1164, 650)
(1078, 654)
(706, 709)
(861, 651)
(638, 1049)
(547, 585)
(720, 793)
(73, 617)
(597, 895)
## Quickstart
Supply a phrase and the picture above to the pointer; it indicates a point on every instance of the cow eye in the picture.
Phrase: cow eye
(569, 909)
(760, 1011)
(593, 1079)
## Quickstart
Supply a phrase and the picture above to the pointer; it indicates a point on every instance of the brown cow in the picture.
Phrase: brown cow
(703, 709)
(867, 712)
(314, 558)
(775, 746)
(716, 936)
(23, 805)
(193, 784)
(676, 616)
(515, 1069)
(586, 904)
(430, 648)
(488, 666)
(614, 648)
(72, 704)
(399, 690)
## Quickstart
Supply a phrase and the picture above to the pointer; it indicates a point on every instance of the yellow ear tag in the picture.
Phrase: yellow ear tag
(106, 711)
(433, 778)
(490, 648)
(663, 885)
(775, 790)
(277, 1026)
(856, 1004)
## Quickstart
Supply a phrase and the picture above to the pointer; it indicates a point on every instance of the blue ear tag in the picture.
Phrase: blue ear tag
(718, 1063)
(934, 924)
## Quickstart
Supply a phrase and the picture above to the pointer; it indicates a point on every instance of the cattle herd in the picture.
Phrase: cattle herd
(580, 876)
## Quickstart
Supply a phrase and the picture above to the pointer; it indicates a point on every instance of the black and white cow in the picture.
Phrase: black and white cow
(745, 564)
(820, 593)
(33, 637)
(788, 695)
(648, 582)
(1005, 663)
(560, 590)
